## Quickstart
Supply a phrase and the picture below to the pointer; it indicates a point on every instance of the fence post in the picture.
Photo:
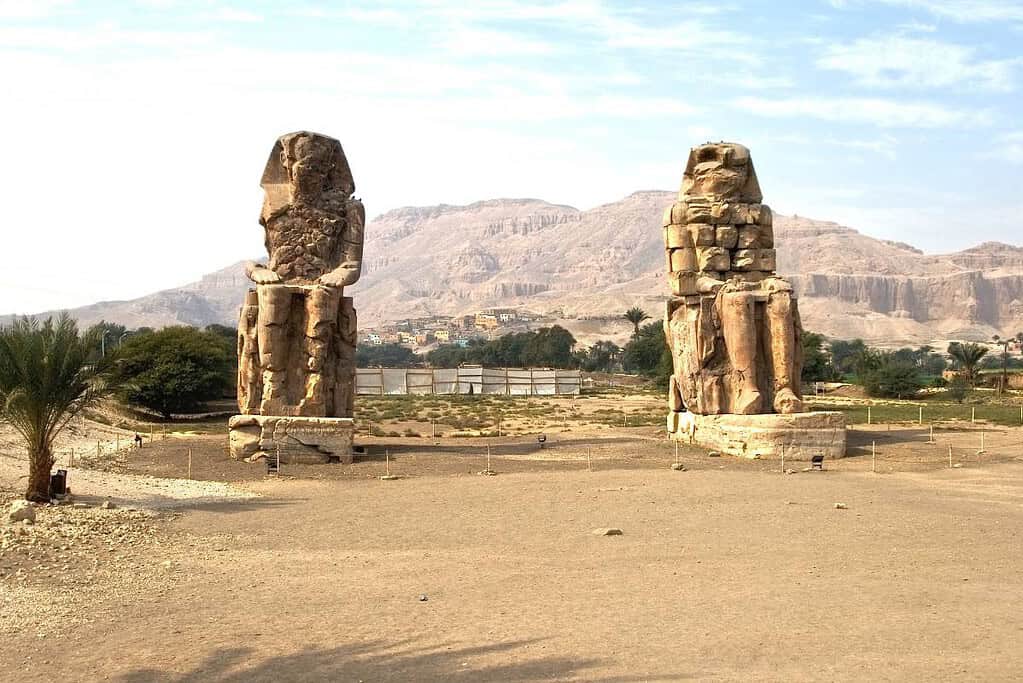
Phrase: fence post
(950, 456)
(921, 419)
(973, 414)
(868, 415)
(873, 456)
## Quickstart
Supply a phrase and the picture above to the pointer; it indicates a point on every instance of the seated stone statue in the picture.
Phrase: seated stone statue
(732, 325)
(296, 329)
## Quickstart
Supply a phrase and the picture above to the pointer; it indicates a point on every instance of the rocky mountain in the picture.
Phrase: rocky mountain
(586, 267)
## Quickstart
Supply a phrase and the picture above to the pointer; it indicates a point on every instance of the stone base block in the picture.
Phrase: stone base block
(301, 440)
(798, 435)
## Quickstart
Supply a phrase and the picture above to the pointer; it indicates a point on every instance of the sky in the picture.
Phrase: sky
(137, 131)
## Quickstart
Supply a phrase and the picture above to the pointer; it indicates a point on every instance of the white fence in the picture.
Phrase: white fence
(502, 381)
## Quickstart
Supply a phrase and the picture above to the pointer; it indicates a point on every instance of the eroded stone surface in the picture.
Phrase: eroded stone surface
(733, 325)
(797, 436)
(296, 329)
(302, 440)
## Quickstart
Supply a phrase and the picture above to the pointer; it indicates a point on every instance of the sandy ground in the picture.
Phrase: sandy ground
(729, 570)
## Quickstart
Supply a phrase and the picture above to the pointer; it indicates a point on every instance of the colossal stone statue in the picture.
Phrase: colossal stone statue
(732, 324)
(296, 330)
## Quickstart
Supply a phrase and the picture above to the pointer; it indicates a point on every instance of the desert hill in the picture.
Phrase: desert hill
(587, 265)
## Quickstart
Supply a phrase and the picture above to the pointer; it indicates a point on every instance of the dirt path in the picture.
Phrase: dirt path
(736, 574)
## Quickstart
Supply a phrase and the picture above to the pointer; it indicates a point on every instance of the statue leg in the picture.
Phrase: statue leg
(785, 352)
(272, 334)
(738, 322)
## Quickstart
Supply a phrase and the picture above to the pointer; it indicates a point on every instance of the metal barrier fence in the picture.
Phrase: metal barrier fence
(471, 380)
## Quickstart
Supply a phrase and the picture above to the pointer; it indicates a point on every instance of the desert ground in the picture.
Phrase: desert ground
(727, 570)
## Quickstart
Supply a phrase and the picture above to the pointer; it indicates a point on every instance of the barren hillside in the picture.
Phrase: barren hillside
(586, 264)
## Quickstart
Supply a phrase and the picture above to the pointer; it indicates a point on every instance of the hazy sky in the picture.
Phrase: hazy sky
(136, 132)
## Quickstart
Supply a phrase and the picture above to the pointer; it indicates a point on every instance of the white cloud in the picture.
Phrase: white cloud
(470, 41)
(967, 11)
(31, 9)
(876, 111)
(901, 62)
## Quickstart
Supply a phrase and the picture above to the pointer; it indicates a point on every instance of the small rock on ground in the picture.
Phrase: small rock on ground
(607, 531)
(20, 511)
(841, 506)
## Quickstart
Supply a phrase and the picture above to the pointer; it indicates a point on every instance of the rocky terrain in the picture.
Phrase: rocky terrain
(585, 265)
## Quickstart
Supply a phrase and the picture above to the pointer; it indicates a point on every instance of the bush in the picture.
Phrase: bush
(892, 380)
(175, 370)
(386, 355)
(647, 354)
(958, 388)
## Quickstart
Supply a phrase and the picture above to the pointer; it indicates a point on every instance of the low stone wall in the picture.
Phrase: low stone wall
(798, 435)
(299, 440)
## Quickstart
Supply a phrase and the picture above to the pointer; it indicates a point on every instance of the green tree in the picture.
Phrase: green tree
(965, 357)
(549, 346)
(844, 354)
(386, 356)
(635, 315)
(957, 388)
(46, 379)
(892, 379)
(106, 337)
(600, 357)
(175, 370)
(647, 354)
(226, 331)
(816, 361)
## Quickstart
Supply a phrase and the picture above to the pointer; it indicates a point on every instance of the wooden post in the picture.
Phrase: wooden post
(499, 418)
(488, 458)
(433, 428)
(71, 458)
(950, 456)
(387, 462)
(783, 459)
(921, 420)
(868, 415)
(930, 439)
(973, 414)
(97, 449)
(676, 455)
(873, 456)
(981, 443)
(625, 422)
(589, 465)
(189, 463)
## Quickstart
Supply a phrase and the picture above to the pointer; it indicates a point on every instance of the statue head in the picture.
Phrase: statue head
(303, 167)
(721, 171)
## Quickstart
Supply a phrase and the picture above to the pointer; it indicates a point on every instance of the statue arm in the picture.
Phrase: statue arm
(351, 265)
(260, 274)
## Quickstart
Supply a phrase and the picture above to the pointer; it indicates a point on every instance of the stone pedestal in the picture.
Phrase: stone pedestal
(798, 435)
(300, 440)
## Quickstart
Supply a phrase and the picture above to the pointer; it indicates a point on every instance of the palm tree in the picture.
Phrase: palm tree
(966, 356)
(46, 379)
(636, 315)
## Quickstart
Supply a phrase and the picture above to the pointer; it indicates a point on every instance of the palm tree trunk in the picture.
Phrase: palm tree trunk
(40, 463)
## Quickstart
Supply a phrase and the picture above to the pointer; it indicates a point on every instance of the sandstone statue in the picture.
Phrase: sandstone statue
(296, 330)
(732, 324)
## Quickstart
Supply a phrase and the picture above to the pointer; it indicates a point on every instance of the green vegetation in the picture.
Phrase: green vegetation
(965, 357)
(546, 347)
(175, 370)
(386, 356)
(647, 354)
(935, 410)
(46, 379)
(636, 315)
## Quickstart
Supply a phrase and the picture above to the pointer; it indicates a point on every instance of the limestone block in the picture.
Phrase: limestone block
(726, 236)
(698, 211)
(683, 259)
(748, 237)
(763, 216)
(741, 214)
(721, 213)
(799, 436)
(746, 276)
(744, 259)
(666, 219)
(304, 440)
(678, 213)
(703, 234)
(677, 237)
(674, 396)
(713, 259)
(765, 260)
(683, 283)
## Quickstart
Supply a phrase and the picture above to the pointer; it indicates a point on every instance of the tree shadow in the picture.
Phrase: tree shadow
(379, 661)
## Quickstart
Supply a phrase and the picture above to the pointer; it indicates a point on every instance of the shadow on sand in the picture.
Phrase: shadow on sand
(378, 661)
